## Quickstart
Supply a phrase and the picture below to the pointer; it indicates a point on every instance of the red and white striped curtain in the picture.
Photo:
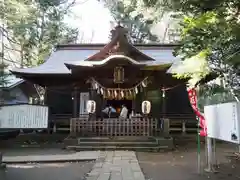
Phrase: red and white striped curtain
(192, 94)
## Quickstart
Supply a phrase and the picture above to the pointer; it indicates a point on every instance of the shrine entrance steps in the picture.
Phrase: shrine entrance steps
(119, 143)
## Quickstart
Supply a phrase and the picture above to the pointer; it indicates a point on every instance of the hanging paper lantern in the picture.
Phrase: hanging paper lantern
(91, 106)
(115, 93)
(146, 107)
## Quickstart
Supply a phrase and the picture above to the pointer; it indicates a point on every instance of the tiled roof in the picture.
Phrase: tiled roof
(55, 64)
(12, 81)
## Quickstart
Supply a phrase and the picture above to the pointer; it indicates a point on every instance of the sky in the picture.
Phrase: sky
(93, 21)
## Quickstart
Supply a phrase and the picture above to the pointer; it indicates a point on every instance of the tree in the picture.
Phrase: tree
(3, 83)
(154, 22)
(35, 27)
(209, 36)
(3, 75)
(215, 31)
(138, 26)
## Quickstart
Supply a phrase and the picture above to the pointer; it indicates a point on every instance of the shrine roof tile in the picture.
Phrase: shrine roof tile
(55, 64)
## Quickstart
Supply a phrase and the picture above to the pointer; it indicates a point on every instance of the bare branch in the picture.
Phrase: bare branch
(11, 48)
(69, 6)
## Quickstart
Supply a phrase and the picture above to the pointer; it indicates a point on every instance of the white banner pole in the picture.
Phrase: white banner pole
(209, 152)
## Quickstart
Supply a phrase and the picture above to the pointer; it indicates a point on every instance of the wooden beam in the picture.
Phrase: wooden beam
(76, 101)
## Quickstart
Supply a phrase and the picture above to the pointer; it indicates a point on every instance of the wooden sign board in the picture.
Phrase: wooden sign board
(223, 121)
(24, 117)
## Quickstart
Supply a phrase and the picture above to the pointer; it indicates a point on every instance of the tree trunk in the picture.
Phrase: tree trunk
(1, 103)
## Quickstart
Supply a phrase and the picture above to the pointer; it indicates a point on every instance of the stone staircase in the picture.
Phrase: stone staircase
(119, 143)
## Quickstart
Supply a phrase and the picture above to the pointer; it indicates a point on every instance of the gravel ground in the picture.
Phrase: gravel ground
(53, 171)
(34, 140)
(32, 151)
(182, 164)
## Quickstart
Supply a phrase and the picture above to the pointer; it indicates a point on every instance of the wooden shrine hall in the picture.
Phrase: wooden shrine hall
(111, 74)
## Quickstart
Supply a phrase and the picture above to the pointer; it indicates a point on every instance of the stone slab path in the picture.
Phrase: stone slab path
(78, 156)
(116, 165)
(109, 165)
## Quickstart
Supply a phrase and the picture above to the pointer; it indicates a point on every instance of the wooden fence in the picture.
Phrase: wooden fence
(84, 126)
(179, 123)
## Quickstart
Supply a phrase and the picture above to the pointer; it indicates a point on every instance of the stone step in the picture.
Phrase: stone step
(116, 139)
(120, 142)
(137, 148)
(75, 141)
(117, 143)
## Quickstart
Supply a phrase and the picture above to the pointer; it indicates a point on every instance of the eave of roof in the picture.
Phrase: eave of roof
(104, 62)
(12, 82)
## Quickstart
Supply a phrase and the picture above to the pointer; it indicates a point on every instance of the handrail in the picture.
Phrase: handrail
(114, 126)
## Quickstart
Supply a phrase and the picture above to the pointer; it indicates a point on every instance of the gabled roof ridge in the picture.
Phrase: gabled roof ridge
(104, 49)
(118, 44)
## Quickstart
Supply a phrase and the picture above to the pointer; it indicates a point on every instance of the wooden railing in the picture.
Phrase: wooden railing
(84, 126)
(178, 122)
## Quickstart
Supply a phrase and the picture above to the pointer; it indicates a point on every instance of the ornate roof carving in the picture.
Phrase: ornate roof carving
(119, 45)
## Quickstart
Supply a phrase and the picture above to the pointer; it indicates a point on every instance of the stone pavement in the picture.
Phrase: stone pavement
(116, 165)
(109, 165)
(78, 156)
(47, 171)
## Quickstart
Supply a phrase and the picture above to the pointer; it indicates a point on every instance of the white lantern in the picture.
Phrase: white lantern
(91, 106)
(146, 107)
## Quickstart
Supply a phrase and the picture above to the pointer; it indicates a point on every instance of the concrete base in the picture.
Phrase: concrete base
(213, 170)
(70, 157)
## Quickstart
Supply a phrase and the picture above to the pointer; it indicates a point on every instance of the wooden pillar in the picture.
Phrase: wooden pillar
(166, 122)
(104, 103)
(76, 102)
(50, 120)
(134, 105)
(92, 96)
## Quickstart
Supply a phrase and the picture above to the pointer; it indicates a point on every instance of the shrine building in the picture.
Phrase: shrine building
(114, 74)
